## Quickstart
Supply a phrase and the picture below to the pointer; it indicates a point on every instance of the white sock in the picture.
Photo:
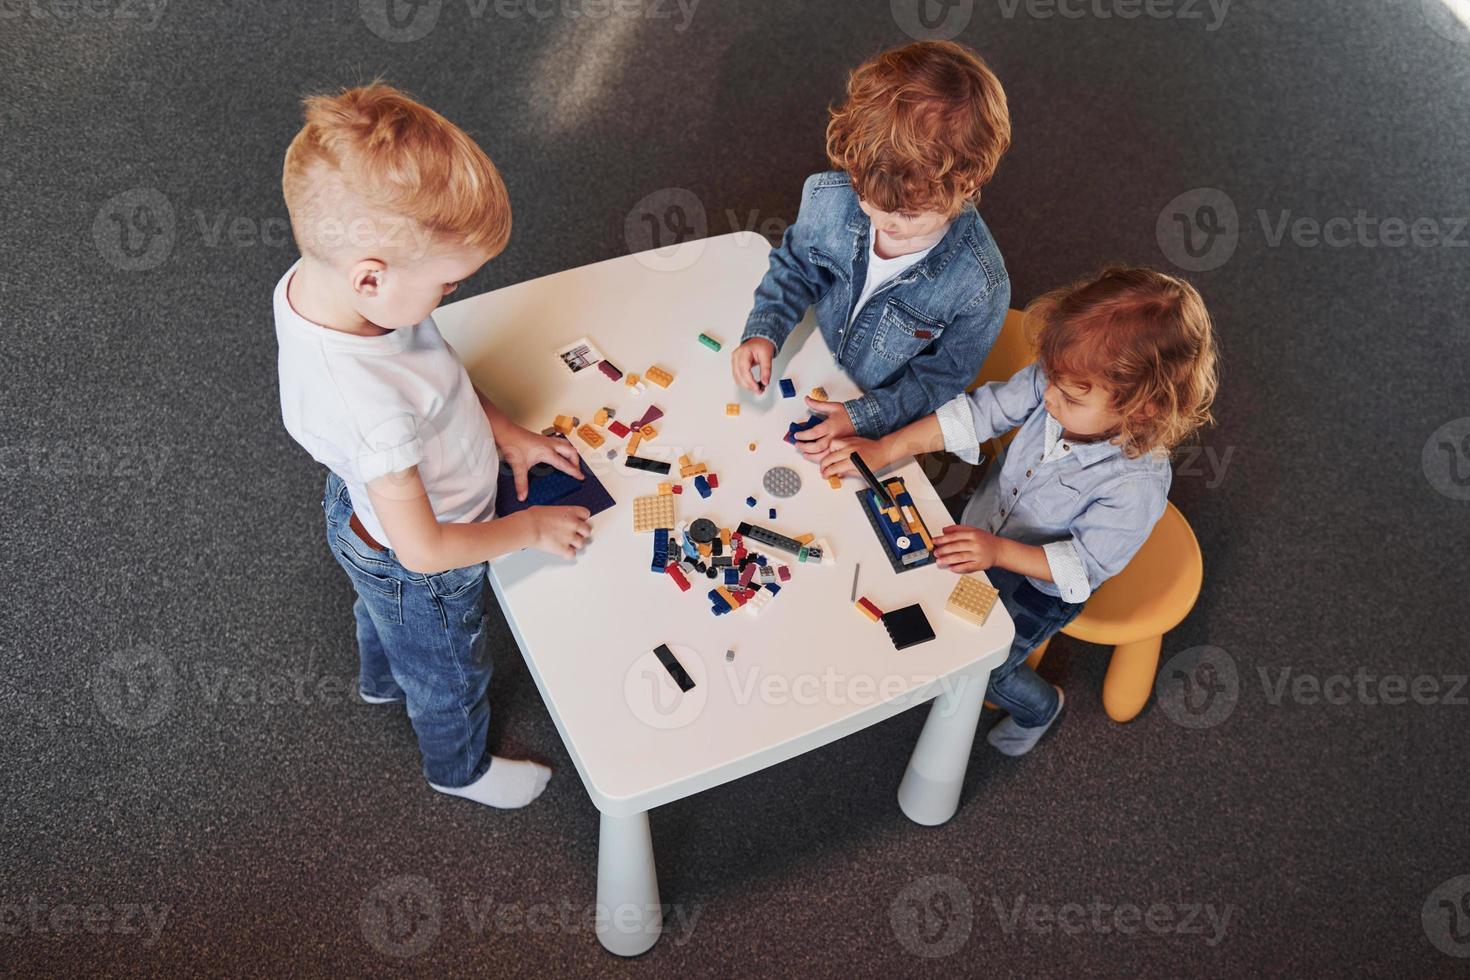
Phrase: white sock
(508, 784)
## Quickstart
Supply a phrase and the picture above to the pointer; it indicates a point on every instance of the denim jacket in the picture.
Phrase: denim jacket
(919, 340)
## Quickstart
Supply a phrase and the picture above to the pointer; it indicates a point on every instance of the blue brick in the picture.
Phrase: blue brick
(702, 485)
(750, 501)
(788, 388)
(772, 513)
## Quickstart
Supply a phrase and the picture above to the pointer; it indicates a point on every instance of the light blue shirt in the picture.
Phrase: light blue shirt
(1086, 504)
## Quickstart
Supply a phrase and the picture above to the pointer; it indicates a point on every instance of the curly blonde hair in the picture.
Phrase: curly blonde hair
(923, 128)
(1146, 337)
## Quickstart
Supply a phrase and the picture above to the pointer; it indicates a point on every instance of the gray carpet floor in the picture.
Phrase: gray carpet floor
(226, 811)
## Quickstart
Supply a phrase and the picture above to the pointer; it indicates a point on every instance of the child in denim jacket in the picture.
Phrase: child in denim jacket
(909, 287)
(1125, 372)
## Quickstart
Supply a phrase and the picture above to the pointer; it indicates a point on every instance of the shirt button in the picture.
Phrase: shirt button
(1028, 472)
(1002, 512)
(1066, 448)
(1013, 491)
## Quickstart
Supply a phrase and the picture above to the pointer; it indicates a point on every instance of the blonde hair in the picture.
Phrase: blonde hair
(1146, 337)
(923, 128)
(374, 154)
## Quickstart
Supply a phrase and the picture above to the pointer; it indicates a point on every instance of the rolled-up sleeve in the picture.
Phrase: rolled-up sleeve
(970, 419)
(1105, 537)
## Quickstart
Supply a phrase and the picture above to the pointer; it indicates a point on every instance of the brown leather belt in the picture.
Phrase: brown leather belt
(361, 532)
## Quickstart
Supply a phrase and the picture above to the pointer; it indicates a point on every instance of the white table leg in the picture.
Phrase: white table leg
(930, 791)
(629, 916)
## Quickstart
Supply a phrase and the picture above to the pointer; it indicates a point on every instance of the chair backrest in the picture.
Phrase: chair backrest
(1012, 351)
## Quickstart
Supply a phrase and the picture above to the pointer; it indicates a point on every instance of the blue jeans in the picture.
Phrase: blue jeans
(420, 639)
(1014, 686)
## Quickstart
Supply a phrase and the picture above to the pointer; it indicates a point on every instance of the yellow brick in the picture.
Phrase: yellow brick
(733, 408)
(819, 393)
(633, 442)
(972, 600)
(835, 482)
(630, 380)
(590, 435)
(806, 538)
(600, 418)
(563, 424)
(648, 431)
(653, 511)
(666, 488)
(659, 376)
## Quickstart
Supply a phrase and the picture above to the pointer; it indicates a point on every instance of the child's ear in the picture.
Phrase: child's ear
(367, 276)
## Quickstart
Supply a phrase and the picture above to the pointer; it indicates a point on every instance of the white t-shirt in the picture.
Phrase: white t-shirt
(880, 270)
(368, 406)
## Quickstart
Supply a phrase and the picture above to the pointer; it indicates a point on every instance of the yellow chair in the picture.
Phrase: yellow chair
(1135, 608)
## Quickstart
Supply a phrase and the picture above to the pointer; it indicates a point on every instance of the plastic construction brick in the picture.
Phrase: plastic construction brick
(732, 408)
(618, 429)
(709, 342)
(788, 388)
(781, 481)
(819, 393)
(564, 424)
(796, 428)
(703, 531)
(659, 376)
(660, 550)
(702, 485)
(771, 513)
(677, 574)
(914, 555)
(908, 626)
(601, 417)
(866, 607)
(766, 536)
(547, 485)
(677, 488)
(647, 465)
(714, 481)
(750, 501)
(653, 414)
(590, 435)
(653, 512)
(972, 600)
(606, 367)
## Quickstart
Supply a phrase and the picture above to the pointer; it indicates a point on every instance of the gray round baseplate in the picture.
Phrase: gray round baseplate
(703, 531)
(781, 481)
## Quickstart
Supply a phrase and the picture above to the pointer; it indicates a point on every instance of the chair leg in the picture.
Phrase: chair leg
(1130, 679)
(1034, 659)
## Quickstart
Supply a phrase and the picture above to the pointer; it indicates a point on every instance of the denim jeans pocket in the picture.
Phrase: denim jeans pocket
(371, 576)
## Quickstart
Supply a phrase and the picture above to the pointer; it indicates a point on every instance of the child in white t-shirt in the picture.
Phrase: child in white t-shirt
(391, 206)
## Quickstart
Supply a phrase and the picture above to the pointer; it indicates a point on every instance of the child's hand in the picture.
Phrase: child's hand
(966, 549)
(838, 461)
(522, 449)
(559, 531)
(815, 442)
(755, 352)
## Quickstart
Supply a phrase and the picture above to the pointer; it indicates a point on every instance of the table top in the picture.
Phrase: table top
(809, 668)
